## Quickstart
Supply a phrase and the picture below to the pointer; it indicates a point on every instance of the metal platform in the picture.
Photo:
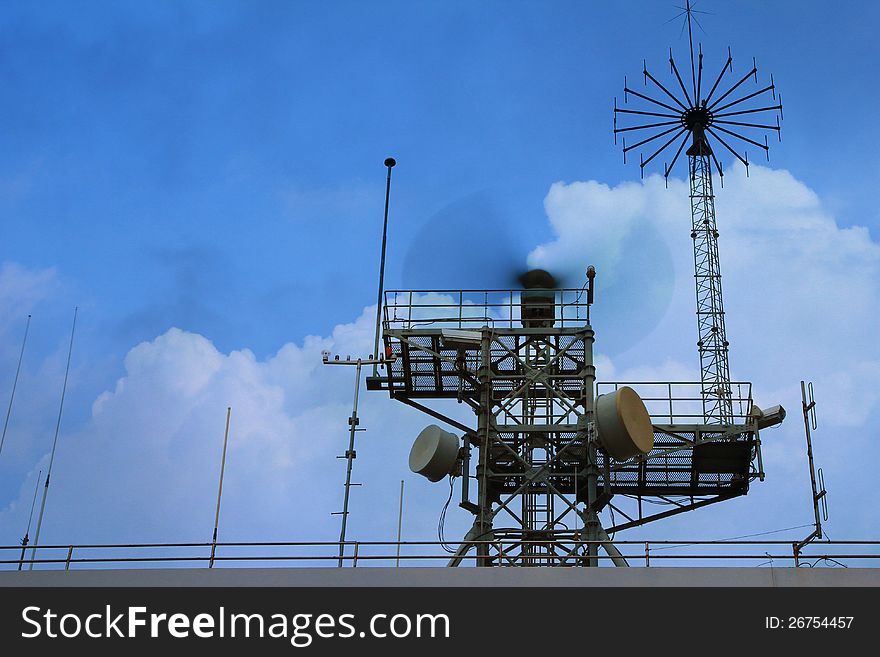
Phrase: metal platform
(523, 361)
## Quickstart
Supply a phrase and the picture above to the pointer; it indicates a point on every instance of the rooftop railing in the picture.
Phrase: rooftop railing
(652, 554)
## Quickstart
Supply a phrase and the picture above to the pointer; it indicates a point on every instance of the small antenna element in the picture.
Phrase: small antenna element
(220, 489)
(24, 540)
(15, 383)
(54, 443)
(591, 277)
(389, 163)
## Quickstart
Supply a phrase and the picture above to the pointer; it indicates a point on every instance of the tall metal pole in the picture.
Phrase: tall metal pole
(350, 455)
(15, 383)
(399, 523)
(482, 528)
(389, 162)
(54, 442)
(591, 526)
(220, 489)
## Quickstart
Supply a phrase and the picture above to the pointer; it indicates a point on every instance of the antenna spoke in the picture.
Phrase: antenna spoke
(718, 166)
(678, 77)
(720, 75)
(645, 141)
(725, 144)
(748, 111)
(648, 125)
(699, 78)
(649, 99)
(665, 90)
(677, 153)
(751, 141)
(744, 98)
(663, 148)
(749, 125)
(629, 111)
(734, 87)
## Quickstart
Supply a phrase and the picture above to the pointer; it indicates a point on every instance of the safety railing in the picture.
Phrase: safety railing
(658, 553)
(473, 309)
(681, 402)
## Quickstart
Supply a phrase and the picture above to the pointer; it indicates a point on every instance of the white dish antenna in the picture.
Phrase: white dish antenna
(434, 453)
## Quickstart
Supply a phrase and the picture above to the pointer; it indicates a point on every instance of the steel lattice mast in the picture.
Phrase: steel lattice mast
(712, 343)
(692, 120)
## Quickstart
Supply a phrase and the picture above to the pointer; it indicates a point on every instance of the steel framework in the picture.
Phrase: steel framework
(695, 120)
(712, 342)
(542, 479)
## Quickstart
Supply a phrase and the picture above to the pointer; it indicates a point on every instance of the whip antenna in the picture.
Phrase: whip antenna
(15, 383)
(389, 162)
(54, 442)
(220, 488)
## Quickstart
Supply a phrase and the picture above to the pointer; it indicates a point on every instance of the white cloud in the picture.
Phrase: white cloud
(592, 221)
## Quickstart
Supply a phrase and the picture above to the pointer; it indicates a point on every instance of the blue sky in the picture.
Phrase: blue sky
(217, 167)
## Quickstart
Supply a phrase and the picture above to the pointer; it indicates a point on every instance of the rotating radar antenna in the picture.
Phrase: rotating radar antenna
(687, 115)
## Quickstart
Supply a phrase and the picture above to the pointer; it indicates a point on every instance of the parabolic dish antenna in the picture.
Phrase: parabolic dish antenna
(623, 424)
(433, 453)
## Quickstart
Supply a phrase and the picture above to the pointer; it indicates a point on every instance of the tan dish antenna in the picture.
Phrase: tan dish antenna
(623, 424)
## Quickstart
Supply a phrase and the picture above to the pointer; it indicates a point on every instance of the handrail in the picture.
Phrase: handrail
(406, 309)
(638, 553)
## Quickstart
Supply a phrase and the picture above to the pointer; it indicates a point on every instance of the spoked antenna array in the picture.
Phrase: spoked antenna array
(666, 118)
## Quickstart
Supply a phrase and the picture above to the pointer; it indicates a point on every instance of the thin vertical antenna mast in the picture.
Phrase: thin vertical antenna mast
(691, 44)
(389, 162)
(54, 443)
(399, 523)
(24, 540)
(350, 455)
(15, 383)
(220, 489)
(353, 422)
